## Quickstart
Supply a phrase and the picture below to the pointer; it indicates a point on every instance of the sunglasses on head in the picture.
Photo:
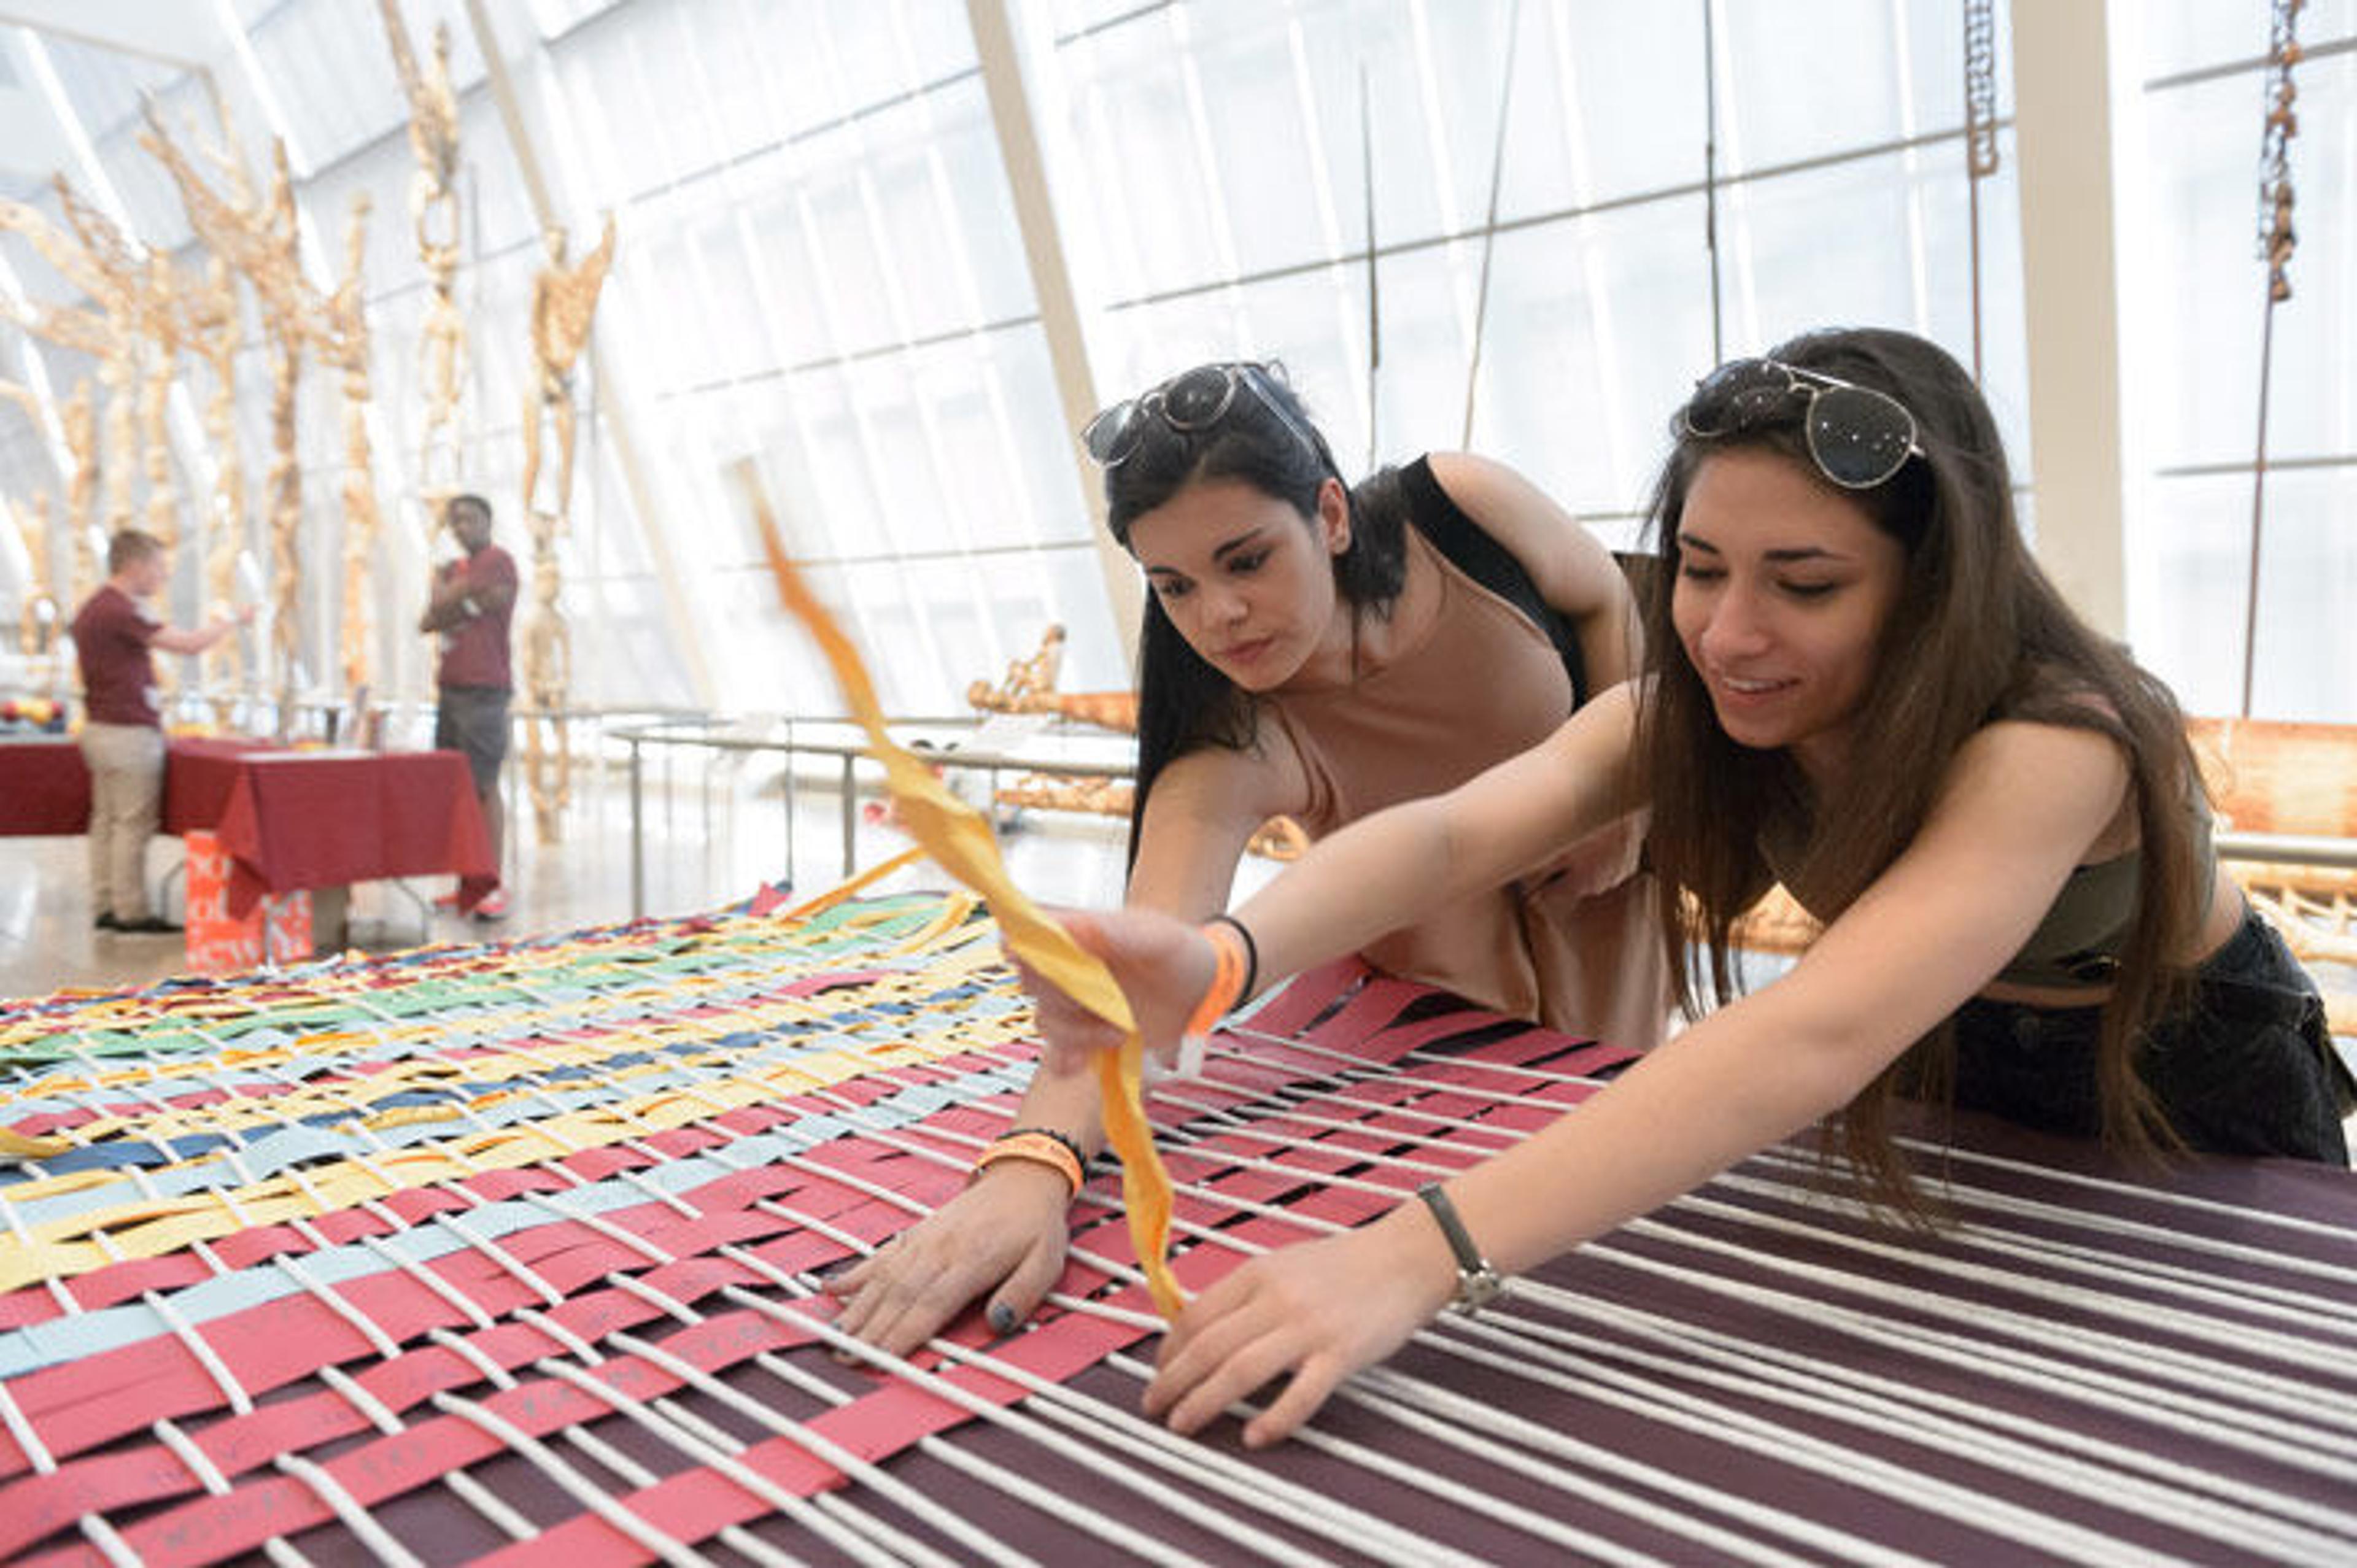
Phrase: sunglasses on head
(1857, 436)
(1190, 402)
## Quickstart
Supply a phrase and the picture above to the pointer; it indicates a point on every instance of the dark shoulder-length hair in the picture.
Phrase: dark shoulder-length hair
(1978, 634)
(1183, 702)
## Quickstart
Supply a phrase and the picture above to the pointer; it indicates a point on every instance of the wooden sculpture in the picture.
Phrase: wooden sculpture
(563, 301)
(435, 216)
(78, 422)
(139, 303)
(547, 648)
(342, 338)
(36, 619)
(216, 331)
(263, 243)
(109, 334)
(1027, 678)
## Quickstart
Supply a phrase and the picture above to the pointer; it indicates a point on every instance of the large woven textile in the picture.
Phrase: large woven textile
(511, 1253)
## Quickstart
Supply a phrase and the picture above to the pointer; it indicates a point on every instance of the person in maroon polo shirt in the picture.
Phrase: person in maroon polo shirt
(122, 731)
(472, 601)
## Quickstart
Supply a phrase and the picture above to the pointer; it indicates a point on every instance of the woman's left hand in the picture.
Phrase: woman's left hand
(1314, 1313)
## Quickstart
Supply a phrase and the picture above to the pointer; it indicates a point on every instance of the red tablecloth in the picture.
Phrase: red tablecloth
(44, 789)
(323, 819)
(288, 819)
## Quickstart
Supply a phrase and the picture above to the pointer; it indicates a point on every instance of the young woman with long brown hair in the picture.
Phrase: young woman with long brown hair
(1317, 651)
(1862, 687)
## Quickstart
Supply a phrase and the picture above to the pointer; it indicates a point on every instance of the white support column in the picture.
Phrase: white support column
(2062, 93)
(1059, 313)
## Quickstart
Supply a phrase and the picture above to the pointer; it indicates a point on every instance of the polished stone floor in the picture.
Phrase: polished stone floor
(708, 840)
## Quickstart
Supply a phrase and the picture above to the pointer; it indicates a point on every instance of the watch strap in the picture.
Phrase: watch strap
(1478, 1282)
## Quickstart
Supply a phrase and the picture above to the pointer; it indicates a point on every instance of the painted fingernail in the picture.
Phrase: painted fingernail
(1001, 1317)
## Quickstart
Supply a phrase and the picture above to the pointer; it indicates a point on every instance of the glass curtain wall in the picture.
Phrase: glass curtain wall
(1528, 192)
(1523, 226)
(2197, 312)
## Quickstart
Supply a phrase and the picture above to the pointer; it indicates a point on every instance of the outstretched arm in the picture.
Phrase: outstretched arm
(1376, 876)
(2021, 806)
(1004, 1237)
(195, 640)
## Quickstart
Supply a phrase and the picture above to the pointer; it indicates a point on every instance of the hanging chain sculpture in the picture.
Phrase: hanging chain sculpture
(262, 242)
(563, 303)
(1980, 135)
(433, 216)
(342, 340)
(2277, 241)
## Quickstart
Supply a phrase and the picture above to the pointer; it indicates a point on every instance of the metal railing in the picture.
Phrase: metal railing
(1087, 754)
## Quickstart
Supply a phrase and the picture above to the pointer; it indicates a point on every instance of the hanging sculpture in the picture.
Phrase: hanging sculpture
(263, 243)
(434, 215)
(2277, 241)
(563, 301)
(216, 330)
(109, 334)
(145, 293)
(36, 616)
(37, 620)
(77, 420)
(343, 343)
(1980, 135)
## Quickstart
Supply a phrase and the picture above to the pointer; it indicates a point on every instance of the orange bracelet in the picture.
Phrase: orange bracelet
(1038, 1148)
(1226, 990)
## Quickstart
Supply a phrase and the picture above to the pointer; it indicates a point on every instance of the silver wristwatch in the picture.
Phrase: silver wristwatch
(1478, 1283)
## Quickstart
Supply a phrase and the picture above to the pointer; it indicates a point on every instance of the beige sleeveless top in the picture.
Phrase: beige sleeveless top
(1576, 948)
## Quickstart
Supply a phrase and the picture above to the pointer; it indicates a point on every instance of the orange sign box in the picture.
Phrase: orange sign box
(278, 929)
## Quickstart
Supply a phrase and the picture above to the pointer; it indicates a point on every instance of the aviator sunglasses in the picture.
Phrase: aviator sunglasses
(1857, 436)
(1189, 402)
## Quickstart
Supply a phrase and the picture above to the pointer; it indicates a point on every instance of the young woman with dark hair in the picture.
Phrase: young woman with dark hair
(1863, 686)
(1317, 652)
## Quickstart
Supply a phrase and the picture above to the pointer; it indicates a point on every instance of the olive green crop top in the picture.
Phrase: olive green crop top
(2079, 942)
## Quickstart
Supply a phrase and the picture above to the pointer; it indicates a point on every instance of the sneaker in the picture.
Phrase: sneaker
(153, 926)
(494, 906)
(107, 922)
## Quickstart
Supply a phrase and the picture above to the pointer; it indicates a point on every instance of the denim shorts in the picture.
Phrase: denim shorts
(474, 720)
(2249, 1068)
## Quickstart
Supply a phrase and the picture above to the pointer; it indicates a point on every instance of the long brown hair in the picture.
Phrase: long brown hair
(1978, 634)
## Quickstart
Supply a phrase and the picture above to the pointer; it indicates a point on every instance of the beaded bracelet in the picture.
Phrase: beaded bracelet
(1042, 1148)
(1079, 1156)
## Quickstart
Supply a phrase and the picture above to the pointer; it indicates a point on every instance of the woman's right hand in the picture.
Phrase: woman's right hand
(1004, 1235)
(1163, 966)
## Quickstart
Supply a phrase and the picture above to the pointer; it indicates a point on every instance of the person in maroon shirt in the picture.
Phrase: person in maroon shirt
(472, 603)
(123, 733)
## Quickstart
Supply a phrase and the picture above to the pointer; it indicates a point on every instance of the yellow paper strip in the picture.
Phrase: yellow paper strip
(960, 842)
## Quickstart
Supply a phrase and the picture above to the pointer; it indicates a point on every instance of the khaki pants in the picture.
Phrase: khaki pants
(126, 797)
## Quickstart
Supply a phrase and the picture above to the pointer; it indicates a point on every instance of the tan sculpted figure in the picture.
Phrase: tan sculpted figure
(563, 299)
